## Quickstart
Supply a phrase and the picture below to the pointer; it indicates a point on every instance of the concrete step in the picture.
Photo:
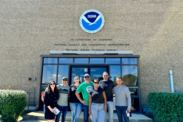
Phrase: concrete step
(38, 116)
(30, 108)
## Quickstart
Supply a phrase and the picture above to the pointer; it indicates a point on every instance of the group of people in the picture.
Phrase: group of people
(94, 97)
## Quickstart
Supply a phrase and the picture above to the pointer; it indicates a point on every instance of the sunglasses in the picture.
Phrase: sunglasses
(76, 79)
(87, 77)
(96, 82)
(106, 75)
(52, 83)
(64, 80)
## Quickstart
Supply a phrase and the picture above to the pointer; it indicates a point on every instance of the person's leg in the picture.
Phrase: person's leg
(94, 112)
(105, 118)
(73, 111)
(119, 113)
(124, 108)
(111, 110)
(58, 115)
(85, 110)
(64, 112)
(101, 113)
(78, 111)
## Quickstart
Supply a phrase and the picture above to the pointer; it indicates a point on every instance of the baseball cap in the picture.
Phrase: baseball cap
(64, 78)
(86, 75)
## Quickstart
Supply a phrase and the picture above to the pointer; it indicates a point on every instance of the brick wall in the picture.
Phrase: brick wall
(152, 28)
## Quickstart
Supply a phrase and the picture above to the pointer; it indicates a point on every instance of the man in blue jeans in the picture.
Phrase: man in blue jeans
(62, 102)
(108, 85)
(85, 88)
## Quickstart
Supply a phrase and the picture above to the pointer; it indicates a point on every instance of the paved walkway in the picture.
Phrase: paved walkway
(38, 116)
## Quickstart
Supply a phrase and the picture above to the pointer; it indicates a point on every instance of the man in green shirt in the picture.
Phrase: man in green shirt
(85, 88)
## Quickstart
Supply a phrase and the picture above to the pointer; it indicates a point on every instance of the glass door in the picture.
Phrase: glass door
(97, 72)
(78, 71)
(94, 71)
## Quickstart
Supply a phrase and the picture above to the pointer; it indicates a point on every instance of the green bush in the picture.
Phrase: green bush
(166, 107)
(12, 104)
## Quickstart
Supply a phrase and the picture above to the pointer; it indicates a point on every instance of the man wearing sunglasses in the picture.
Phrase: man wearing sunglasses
(85, 88)
(62, 102)
(108, 85)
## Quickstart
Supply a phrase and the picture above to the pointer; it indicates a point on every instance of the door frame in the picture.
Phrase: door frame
(39, 87)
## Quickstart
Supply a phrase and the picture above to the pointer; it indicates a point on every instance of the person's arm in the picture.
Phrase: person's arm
(90, 100)
(105, 100)
(79, 98)
(79, 89)
(51, 109)
(129, 99)
(47, 103)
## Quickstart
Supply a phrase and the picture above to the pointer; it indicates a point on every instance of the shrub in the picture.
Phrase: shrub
(12, 104)
(166, 107)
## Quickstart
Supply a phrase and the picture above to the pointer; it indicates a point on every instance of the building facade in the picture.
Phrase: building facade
(151, 30)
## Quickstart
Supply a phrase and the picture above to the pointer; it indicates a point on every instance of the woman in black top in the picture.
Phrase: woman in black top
(75, 104)
(97, 103)
(50, 100)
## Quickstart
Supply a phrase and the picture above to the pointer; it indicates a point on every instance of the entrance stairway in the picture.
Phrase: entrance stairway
(38, 116)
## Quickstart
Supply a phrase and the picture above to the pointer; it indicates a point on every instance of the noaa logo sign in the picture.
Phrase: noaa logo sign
(91, 21)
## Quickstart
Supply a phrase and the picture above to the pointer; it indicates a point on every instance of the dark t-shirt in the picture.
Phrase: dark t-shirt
(73, 98)
(107, 86)
(97, 95)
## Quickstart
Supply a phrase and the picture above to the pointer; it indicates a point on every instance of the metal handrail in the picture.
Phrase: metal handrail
(29, 98)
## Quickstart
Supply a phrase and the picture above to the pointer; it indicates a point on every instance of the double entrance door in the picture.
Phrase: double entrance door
(94, 71)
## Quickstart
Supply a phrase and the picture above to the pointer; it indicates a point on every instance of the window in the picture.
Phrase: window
(129, 75)
(129, 60)
(50, 60)
(133, 91)
(81, 61)
(65, 60)
(112, 60)
(96, 60)
(49, 73)
(115, 71)
(62, 72)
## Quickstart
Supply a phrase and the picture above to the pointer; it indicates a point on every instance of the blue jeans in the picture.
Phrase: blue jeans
(85, 110)
(97, 112)
(110, 107)
(75, 110)
(121, 113)
(63, 110)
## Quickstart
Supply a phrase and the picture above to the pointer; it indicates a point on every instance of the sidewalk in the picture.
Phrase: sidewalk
(38, 116)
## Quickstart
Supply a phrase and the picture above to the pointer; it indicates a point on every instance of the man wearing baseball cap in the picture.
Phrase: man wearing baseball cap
(62, 102)
(85, 88)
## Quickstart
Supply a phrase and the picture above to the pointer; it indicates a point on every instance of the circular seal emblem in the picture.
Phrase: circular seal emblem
(92, 21)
